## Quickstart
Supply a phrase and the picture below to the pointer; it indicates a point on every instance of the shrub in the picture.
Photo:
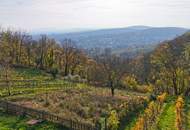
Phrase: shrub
(76, 78)
(130, 82)
(54, 72)
(179, 113)
(161, 98)
(113, 120)
(143, 88)
(153, 97)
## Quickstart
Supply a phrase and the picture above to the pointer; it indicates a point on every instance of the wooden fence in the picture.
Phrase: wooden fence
(15, 109)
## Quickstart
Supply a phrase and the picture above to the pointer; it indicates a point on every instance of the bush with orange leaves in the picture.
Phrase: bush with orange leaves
(179, 113)
(150, 115)
(161, 98)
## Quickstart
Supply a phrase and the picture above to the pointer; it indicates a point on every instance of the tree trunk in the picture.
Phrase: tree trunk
(174, 84)
(112, 92)
(112, 89)
(66, 69)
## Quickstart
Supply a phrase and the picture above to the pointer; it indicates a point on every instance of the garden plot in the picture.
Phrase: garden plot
(84, 104)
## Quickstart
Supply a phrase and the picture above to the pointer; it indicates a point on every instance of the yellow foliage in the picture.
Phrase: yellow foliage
(113, 120)
(179, 113)
(161, 98)
(130, 81)
(139, 125)
(150, 114)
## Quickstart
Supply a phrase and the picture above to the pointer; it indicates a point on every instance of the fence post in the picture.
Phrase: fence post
(106, 123)
(98, 126)
(71, 124)
(7, 107)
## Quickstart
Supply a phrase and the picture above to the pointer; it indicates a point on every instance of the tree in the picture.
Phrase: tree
(44, 53)
(169, 67)
(130, 81)
(187, 60)
(114, 69)
(73, 57)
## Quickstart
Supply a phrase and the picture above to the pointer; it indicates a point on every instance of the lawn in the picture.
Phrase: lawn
(9, 122)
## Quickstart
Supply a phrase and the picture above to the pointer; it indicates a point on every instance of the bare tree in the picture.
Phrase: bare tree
(69, 51)
(114, 68)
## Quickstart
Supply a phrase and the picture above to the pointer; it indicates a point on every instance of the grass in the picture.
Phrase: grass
(168, 116)
(187, 114)
(30, 73)
(9, 122)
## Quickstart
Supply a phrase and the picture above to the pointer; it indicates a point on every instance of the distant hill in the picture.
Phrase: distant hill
(121, 37)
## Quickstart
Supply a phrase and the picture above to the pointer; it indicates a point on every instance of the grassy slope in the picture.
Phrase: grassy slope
(8, 122)
(187, 114)
(168, 116)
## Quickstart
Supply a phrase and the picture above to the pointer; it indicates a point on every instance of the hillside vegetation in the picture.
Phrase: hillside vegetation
(62, 84)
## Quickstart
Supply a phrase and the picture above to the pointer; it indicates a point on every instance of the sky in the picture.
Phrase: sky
(63, 15)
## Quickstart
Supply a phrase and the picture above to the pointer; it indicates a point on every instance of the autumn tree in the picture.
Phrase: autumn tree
(169, 67)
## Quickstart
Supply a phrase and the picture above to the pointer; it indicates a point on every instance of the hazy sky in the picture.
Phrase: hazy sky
(71, 14)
